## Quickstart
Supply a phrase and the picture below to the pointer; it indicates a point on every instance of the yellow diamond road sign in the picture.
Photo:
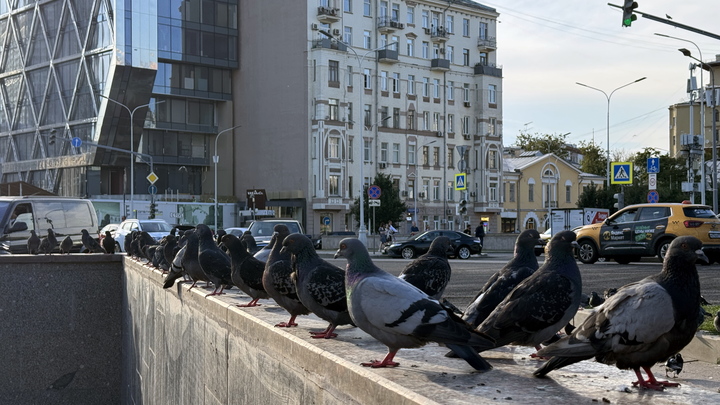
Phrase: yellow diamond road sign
(460, 182)
(152, 178)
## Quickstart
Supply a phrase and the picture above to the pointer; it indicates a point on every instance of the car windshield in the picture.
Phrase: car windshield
(698, 212)
(156, 227)
(266, 228)
(3, 209)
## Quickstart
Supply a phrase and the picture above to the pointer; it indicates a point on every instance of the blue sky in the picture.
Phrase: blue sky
(545, 47)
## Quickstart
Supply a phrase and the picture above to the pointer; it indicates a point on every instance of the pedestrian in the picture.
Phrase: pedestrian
(383, 235)
(414, 229)
(467, 230)
(390, 231)
(480, 234)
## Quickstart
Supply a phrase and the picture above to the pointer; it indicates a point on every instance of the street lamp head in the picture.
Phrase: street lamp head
(685, 52)
(640, 79)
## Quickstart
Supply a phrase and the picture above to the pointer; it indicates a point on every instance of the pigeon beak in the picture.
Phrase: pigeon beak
(337, 254)
(701, 256)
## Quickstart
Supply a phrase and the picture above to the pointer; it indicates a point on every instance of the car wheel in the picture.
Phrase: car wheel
(662, 248)
(407, 252)
(463, 253)
(587, 253)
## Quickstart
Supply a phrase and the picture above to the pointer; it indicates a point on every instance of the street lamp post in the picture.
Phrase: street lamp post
(132, 146)
(415, 189)
(362, 232)
(216, 159)
(608, 119)
(707, 67)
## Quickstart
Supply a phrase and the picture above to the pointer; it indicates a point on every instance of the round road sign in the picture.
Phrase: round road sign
(373, 192)
(653, 197)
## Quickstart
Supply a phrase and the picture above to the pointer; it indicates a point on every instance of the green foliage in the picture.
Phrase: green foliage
(707, 324)
(594, 159)
(391, 208)
(547, 143)
(596, 197)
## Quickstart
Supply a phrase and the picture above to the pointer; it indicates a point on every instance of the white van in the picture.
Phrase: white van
(64, 215)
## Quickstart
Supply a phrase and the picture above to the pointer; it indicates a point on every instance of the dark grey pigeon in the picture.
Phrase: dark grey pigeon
(66, 245)
(277, 280)
(90, 243)
(674, 365)
(399, 315)
(213, 261)
(643, 323)
(176, 270)
(48, 243)
(523, 264)
(250, 242)
(543, 303)
(595, 299)
(108, 243)
(431, 271)
(170, 248)
(128, 243)
(319, 284)
(190, 262)
(247, 271)
(33, 243)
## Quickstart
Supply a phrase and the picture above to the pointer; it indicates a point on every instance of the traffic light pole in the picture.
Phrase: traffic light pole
(670, 22)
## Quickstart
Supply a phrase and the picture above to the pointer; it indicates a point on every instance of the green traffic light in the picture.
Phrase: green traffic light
(627, 22)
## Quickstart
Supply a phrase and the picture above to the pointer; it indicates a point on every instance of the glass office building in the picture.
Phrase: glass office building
(73, 72)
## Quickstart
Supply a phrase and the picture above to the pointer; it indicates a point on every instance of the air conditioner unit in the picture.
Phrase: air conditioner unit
(427, 30)
(466, 136)
(382, 165)
(333, 11)
(439, 134)
(314, 27)
(467, 104)
(336, 32)
(393, 24)
(400, 25)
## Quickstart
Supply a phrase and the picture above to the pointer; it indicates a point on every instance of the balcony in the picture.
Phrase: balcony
(328, 15)
(486, 44)
(488, 69)
(328, 43)
(386, 24)
(387, 56)
(439, 64)
(437, 34)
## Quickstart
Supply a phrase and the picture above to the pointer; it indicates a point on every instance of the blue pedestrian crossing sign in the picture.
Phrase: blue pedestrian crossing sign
(460, 182)
(622, 173)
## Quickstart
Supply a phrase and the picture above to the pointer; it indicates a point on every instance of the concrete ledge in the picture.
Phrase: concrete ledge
(183, 348)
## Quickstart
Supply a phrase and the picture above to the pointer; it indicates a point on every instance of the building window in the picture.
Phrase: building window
(410, 47)
(436, 51)
(436, 121)
(450, 23)
(334, 147)
(411, 188)
(350, 149)
(367, 8)
(384, 116)
(466, 92)
(466, 125)
(411, 154)
(384, 81)
(334, 185)
(410, 19)
(450, 190)
(531, 192)
(425, 50)
(334, 107)
(436, 190)
(349, 76)
(450, 53)
(450, 89)
(492, 126)
(568, 193)
(347, 6)
(396, 153)
(384, 152)
(395, 12)
(426, 121)
(466, 57)
(367, 115)
(466, 27)
(349, 110)
(483, 30)
(396, 83)
(410, 119)
(450, 157)
(436, 155)
(492, 159)
(436, 88)
(411, 84)
(425, 19)
(367, 40)
(347, 35)
(492, 94)
(396, 118)
(426, 87)
(425, 156)
(451, 123)
(333, 71)
(367, 149)
(366, 79)
(483, 58)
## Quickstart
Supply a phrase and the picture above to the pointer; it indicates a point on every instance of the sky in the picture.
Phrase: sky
(545, 47)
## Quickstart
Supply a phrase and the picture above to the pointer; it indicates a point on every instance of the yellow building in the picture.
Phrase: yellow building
(534, 184)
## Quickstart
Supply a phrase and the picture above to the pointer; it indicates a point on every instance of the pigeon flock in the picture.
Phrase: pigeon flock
(48, 244)
(523, 303)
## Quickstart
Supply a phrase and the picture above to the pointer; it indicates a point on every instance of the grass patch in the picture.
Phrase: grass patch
(708, 325)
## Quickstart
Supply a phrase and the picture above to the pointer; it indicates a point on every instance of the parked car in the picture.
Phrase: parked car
(157, 228)
(263, 230)
(66, 216)
(647, 230)
(236, 231)
(544, 239)
(463, 245)
(109, 227)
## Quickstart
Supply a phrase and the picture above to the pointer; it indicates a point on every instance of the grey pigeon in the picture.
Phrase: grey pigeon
(250, 242)
(214, 262)
(128, 243)
(90, 243)
(523, 264)
(595, 299)
(108, 243)
(190, 262)
(543, 303)
(643, 323)
(48, 243)
(176, 270)
(66, 245)
(247, 271)
(277, 281)
(716, 321)
(674, 364)
(33, 243)
(399, 315)
(319, 284)
(431, 271)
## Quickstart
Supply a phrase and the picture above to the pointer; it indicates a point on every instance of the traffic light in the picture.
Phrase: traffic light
(620, 197)
(152, 210)
(462, 207)
(628, 16)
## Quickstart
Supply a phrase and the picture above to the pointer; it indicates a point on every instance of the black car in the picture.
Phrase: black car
(463, 245)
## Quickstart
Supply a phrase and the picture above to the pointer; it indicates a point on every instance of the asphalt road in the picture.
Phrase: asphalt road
(470, 275)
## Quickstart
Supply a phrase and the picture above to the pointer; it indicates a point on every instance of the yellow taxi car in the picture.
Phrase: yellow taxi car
(643, 230)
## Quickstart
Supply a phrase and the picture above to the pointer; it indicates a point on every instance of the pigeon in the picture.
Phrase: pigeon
(703, 301)
(431, 271)
(176, 269)
(33, 243)
(674, 364)
(595, 299)
(543, 303)
(609, 292)
(108, 243)
(66, 245)
(144, 241)
(128, 243)
(523, 264)
(48, 243)
(643, 323)
(716, 321)
(90, 243)
(247, 271)
(250, 242)
(399, 314)
(319, 284)
(276, 278)
(213, 261)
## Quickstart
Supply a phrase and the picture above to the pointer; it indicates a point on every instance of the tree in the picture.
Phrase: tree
(391, 208)
(546, 143)
(594, 197)
(594, 160)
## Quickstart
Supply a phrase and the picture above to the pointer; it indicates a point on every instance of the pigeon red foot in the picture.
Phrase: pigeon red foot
(288, 324)
(651, 382)
(252, 303)
(326, 334)
(386, 362)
